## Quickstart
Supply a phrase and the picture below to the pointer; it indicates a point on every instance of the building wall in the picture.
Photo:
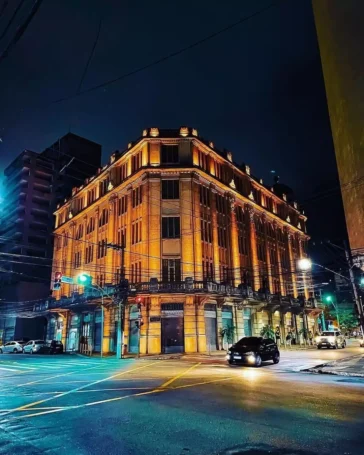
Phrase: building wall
(182, 210)
(340, 35)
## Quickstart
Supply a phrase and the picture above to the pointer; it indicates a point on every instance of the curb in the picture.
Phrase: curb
(318, 369)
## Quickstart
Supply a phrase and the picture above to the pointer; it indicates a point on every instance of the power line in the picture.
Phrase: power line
(21, 29)
(89, 58)
(169, 56)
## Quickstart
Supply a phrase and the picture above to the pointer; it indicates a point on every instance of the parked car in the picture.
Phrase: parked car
(12, 347)
(52, 347)
(253, 351)
(331, 339)
(33, 346)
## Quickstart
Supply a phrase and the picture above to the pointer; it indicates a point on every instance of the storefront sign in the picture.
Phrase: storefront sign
(155, 319)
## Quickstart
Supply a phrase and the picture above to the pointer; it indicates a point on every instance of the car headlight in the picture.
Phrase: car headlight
(331, 339)
(251, 358)
(229, 352)
(317, 339)
(250, 353)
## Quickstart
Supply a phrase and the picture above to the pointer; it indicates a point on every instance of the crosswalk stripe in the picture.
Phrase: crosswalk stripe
(8, 369)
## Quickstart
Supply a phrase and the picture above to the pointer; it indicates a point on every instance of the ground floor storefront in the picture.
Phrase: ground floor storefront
(183, 323)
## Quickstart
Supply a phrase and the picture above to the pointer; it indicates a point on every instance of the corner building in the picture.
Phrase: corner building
(207, 246)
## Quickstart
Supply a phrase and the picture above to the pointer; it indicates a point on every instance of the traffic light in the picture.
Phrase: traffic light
(84, 280)
(139, 301)
(328, 298)
(57, 281)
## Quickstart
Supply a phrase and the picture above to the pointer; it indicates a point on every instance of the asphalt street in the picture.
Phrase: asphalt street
(76, 405)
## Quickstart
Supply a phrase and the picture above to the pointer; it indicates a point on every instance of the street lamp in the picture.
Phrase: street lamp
(86, 280)
(304, 264)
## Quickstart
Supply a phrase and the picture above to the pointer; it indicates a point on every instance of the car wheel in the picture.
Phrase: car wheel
(319, 347)
(31, 351)
(276, 358)
(15, 351)
(258, 361)
(344, 345)
(335, 346)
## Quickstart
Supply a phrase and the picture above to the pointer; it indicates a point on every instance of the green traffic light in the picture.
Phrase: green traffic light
(328, 298)
(84, 279)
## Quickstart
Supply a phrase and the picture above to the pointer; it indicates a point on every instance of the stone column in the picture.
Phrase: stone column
(219, 324)
(239, 321)
(215, 237)
(200, 326)
(190, 324)
(154, 328)
(253, 250)
(144, 330)
(234, 253)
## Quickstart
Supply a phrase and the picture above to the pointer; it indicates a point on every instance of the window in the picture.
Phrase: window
(203, 160)
(79, 204)
(122, 236)
(77, 259)
(137, 196)
(206, 229)
(89, 254)
(207, 269)
(79, 232)
(102, 249)
(90, 225)
(171, 227)
(65, 239)
(169, 154)
(171, 270)
(104, 186)
(122, 205)
(136, 232)
(170, 189)
(136, 272)
(136, 162)
(91, 196)
(122, 172)
(204, 195)
(104, 217)
(218, 172)
(221, 236)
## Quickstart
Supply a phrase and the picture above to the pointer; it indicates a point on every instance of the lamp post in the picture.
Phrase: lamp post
(86, 281)
(305, 264)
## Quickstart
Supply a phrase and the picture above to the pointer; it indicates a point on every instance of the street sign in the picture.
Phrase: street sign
(67, 279)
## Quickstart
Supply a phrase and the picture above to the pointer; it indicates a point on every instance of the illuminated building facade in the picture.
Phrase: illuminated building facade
(207, 247)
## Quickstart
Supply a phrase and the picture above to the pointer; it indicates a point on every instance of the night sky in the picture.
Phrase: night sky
(256, 90)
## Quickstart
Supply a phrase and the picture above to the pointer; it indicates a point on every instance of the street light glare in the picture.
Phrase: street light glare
(304, 264)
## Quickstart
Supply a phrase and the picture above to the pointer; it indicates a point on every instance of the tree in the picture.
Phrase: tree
(267, 332)
(347, 316)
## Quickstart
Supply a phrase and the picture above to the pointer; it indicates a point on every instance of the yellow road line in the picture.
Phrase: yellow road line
(78, 388)
(166, 384)
(149, 392)
(52, 377)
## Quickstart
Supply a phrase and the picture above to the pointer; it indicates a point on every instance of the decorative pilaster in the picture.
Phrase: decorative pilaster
(292, 265)
(197, 245)
(127, 263)
(304, 274)
(267, 256)
(234, 252)
(253, 249)
(215, 236)
(279, 262)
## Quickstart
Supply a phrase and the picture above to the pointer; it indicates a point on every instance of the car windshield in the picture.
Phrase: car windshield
(249, 341)
(329, 334)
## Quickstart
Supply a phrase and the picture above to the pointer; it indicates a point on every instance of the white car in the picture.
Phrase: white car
(12, 347)
(33, 346)
(331, 339)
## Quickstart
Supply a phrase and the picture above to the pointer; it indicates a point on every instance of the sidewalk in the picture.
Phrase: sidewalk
(351, 366)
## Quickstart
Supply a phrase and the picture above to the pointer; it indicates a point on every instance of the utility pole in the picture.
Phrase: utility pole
(353, 285)
(122, 299)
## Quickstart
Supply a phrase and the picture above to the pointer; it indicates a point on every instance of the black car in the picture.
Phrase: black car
(52, 347)
(253, 351)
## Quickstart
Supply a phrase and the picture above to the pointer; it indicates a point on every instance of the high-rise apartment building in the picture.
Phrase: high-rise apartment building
(34, 183)
(208, 247)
